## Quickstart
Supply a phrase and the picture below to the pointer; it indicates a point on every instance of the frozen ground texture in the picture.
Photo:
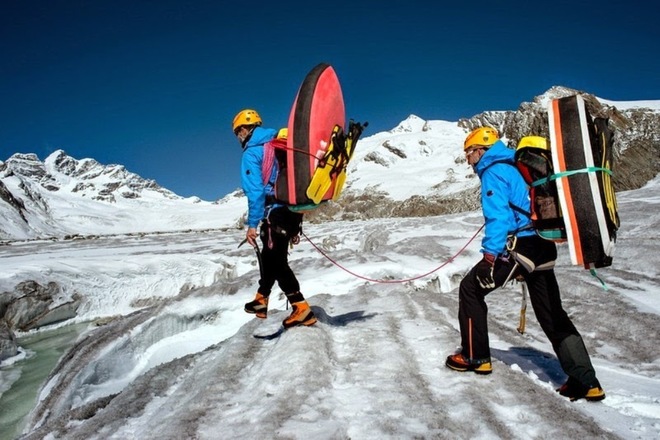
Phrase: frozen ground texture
(179, 358)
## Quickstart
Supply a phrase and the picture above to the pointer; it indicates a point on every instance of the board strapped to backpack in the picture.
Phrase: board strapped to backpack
(571, 192)
(582, 157)
(314, 155)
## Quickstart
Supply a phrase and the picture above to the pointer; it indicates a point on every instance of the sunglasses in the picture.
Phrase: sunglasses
(469, 153)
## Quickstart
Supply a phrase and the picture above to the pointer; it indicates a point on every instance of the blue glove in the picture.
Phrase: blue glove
(484, 271)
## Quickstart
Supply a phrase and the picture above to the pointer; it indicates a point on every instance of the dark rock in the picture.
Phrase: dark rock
(8, 346)
(34, 306)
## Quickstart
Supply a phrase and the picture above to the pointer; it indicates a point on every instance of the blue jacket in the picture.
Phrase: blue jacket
(502, 185)
(251, 175)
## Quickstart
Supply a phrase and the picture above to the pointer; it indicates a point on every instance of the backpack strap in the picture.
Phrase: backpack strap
(268, 162)
(520, 210)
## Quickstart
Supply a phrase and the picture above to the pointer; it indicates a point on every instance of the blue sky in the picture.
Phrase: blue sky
(154, 85)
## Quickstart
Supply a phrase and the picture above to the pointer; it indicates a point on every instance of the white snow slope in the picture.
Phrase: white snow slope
(184, 363)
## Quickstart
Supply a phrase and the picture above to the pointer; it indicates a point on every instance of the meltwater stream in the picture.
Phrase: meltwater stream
(97, 361)
(25, 377)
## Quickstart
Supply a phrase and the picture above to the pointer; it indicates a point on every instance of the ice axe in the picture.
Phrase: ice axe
(255, 246)
(523, 306)
(523, 309)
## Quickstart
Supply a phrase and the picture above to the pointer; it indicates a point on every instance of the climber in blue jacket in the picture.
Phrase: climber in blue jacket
(512, 249)
(279, 225)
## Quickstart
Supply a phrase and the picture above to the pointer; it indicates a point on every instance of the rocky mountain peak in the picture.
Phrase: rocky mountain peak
(411, 124)
(62, 162)
(27, 185)
(554, 92)
(635, 140)
(24, 165)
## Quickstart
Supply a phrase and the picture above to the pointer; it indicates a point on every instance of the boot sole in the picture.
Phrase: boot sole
(480, 373)
(588, 399)
(308, 322)
(257, 314)
(466, 369)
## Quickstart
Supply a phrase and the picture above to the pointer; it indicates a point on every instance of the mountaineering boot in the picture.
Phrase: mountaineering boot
(595, 393)
(574, 390)
(458, 362)
(259, 306)
(302, 315)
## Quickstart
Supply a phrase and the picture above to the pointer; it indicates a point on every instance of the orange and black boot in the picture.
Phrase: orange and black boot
(301, 315)
(574, 390)
(259, 306)
(458, 362)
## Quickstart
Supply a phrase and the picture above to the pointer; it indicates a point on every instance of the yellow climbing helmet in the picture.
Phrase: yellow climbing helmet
(482, 136)
(533, 142)
(283, 133)
(246, 117)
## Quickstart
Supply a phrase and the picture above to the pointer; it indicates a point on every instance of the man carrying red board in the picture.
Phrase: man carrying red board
(279, 225)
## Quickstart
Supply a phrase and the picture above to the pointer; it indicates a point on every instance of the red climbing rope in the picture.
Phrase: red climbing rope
(393, 281)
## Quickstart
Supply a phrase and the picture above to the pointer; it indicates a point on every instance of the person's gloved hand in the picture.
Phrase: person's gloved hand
(485, 271)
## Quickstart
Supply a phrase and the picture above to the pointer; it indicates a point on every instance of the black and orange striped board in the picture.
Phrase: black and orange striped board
(582, 167)
(317, 109)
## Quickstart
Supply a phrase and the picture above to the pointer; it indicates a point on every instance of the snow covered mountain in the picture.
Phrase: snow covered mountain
(166, 351)
(62, 196)
(415, 169)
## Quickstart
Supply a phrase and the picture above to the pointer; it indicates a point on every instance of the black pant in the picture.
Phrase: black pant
(546, 302)
(276, 232)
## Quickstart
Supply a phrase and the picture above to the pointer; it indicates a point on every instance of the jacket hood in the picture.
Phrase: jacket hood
(260, 136)
(498, 152)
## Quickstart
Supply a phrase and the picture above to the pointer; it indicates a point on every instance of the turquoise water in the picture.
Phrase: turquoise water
(45, 349)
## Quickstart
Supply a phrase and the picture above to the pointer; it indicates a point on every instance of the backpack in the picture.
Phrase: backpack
(534, 162)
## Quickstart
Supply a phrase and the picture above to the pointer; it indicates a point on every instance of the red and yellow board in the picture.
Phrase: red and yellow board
(317, 109)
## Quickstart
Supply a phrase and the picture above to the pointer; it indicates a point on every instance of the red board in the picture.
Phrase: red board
(318, 107)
